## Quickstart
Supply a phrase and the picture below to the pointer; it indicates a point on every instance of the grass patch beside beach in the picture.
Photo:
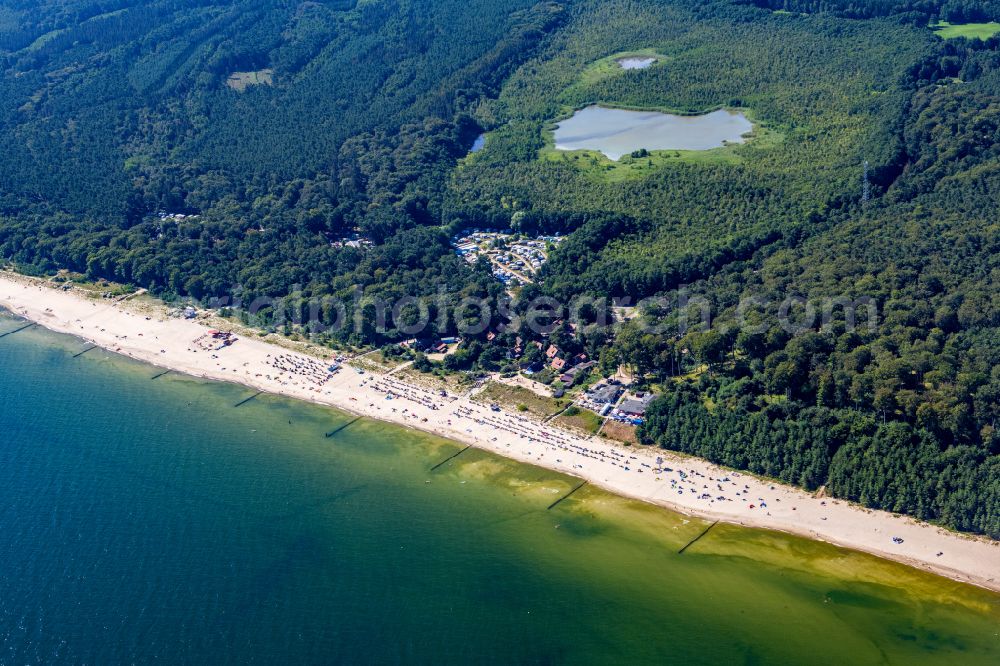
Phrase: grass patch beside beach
(516, 397)
(620, 432)
(579, 419)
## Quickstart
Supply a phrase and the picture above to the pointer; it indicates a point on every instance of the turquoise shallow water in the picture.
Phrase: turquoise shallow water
(146, 521)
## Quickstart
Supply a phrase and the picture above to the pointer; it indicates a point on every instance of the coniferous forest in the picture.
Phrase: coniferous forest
(193, 147)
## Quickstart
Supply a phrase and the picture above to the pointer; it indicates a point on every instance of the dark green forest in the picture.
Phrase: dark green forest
(118, 116)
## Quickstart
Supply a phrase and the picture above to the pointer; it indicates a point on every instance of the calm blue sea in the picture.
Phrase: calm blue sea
(151, 521)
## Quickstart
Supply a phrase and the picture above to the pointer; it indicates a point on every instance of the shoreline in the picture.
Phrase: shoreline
(703, 489)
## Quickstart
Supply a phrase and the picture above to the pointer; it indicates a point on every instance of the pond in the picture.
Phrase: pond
(478, 144)
(617, 132)
(636, 62)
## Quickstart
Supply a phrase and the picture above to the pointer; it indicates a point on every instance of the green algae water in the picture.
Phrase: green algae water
(150, 521)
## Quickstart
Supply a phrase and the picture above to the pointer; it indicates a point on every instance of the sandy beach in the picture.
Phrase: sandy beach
(682, 484)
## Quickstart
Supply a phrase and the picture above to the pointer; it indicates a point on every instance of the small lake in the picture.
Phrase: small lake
(636, 62)
(617, 132)
(478, 144)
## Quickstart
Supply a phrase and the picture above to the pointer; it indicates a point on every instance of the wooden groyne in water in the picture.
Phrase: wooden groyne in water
(17, 330)
(692, 541)
(339, 428)
(451, 457)
(566, 496)
(157, 376)
(243, 402)
(85, 351)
